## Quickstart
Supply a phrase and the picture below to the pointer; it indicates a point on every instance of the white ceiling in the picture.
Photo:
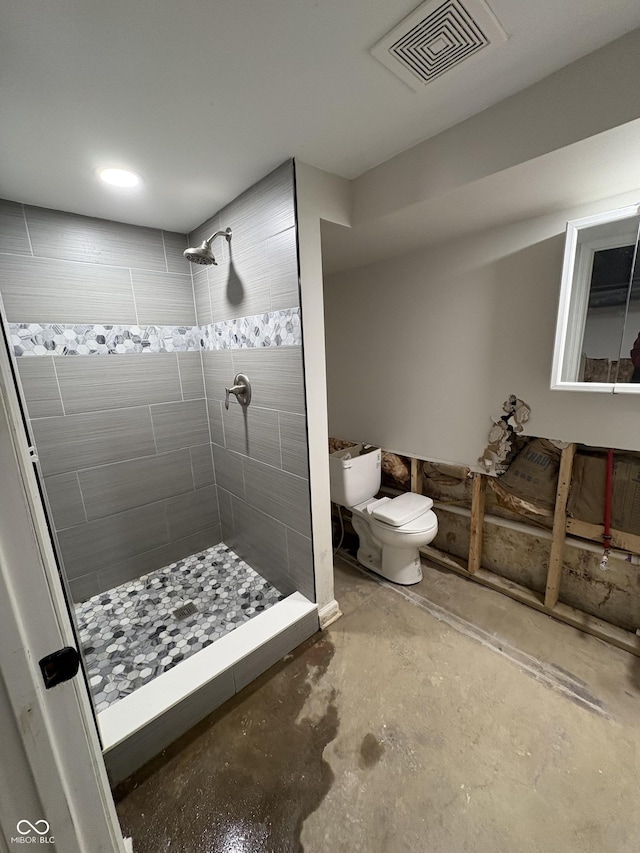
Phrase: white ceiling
(599, 168)
(203, 98)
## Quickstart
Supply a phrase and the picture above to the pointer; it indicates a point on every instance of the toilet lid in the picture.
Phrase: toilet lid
(402, 510)
(424, 523)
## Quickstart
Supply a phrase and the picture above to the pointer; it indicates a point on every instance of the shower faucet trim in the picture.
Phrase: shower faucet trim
(241, 388)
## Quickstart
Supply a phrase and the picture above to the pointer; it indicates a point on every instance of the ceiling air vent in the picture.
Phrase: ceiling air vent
(437, 37)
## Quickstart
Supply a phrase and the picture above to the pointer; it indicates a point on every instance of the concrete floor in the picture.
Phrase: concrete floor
(442, 718)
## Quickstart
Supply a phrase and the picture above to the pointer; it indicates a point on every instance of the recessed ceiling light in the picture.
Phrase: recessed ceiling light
(119, 177)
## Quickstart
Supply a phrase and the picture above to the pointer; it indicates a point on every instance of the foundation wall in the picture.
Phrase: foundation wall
(612, 595)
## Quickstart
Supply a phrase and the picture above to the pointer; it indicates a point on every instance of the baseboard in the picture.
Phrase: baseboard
(329, 614)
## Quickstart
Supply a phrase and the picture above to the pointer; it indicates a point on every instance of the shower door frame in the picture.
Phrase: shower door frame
(66, 770)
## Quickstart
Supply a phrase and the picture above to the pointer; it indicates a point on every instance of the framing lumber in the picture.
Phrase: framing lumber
(559, 533)
(562, 612)
(477, 520)
(444, 559)
(416, 485)
(619, 538)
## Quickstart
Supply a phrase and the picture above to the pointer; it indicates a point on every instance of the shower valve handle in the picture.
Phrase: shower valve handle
(241, 388)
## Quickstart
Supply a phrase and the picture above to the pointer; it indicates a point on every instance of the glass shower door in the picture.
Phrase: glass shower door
(5, 343)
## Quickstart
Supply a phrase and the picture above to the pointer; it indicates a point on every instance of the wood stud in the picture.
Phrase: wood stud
(477, 521)
(416, 485)
(559, 527)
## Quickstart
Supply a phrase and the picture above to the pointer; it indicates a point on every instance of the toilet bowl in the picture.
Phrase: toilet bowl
(390, 530)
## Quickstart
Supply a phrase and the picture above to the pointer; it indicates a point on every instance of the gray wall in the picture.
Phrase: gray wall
(463, 324)
(260, 453)
(123, 440)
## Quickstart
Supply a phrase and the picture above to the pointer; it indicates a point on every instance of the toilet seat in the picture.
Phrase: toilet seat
(400, 511)
(416, 509)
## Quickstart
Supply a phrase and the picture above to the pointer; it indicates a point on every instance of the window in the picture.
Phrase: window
(597, 344)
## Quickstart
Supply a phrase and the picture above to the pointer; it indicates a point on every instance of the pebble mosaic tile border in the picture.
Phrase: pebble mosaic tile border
(130, 634)
(272, 329)
(29, 339)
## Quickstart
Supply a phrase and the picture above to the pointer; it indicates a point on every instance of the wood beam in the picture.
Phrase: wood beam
(562, 612)
(416, 485)
(594, 532)
(477, 520)
(559, 527)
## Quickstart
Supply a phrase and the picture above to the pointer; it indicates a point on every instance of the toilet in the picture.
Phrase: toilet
(390, 530)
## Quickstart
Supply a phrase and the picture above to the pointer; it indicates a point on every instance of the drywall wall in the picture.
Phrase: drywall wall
(319, 195)
(423, 349)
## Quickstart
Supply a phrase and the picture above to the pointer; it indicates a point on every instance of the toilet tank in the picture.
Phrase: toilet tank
(355, 474)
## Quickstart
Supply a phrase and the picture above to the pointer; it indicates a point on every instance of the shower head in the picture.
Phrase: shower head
(203, 254)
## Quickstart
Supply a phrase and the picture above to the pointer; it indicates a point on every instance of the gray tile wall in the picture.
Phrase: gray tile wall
(127, 465)
(123, 441)
(260, 453)
(258, 270)
(62, 268)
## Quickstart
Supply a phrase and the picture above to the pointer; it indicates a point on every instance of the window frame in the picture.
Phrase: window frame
(574, 298)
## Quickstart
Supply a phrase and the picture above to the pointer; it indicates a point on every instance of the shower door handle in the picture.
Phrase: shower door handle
(241, 388)
(59, 666)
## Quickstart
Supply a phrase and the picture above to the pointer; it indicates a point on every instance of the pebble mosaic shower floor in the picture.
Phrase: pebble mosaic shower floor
(131, 634)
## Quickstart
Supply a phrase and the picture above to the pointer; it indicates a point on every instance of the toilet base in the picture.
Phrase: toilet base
(402, 566)
(398, 565)
(405, 575)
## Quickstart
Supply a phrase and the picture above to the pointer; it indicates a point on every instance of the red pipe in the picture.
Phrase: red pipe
(608, 500)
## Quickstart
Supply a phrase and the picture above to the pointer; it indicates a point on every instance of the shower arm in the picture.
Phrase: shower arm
(226, 234)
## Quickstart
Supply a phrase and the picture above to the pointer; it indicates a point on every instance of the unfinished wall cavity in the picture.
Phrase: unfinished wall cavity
(515, 542)
(523, 556)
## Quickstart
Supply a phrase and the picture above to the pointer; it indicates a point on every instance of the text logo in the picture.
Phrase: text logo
(32, 827)
(33, 833)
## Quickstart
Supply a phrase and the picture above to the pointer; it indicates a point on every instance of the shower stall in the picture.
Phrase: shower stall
(178, 503)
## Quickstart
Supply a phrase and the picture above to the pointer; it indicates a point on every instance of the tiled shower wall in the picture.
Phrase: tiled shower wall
(260, 453)
(123, 440)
